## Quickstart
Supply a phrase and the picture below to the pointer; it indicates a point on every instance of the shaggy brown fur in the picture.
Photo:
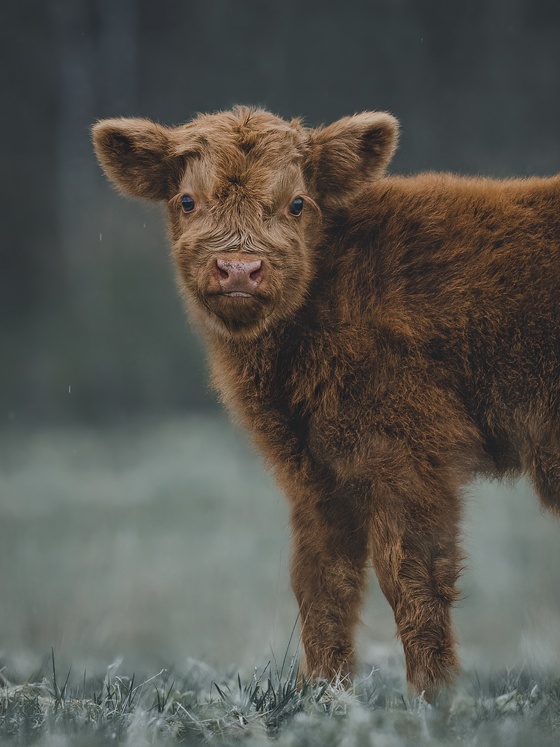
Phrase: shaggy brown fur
(397, 338)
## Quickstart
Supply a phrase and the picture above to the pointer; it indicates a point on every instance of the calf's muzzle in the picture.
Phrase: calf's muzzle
(238, 276)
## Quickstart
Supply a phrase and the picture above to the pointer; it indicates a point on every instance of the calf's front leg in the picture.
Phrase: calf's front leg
(409, 525)
(330, 552)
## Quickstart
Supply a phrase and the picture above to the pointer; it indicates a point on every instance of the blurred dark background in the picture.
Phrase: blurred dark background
(135, 521)
(91, 328)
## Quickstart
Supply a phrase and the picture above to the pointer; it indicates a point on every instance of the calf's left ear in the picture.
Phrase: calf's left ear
(138, 156)
(350, 152)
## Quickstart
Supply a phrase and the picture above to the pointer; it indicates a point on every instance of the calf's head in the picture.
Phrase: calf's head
(246, 195)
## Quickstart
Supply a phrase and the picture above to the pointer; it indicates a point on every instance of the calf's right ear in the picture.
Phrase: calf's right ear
(138, 157)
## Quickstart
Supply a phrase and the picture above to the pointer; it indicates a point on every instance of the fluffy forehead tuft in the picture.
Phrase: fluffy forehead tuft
(242, 151)
(251, 131)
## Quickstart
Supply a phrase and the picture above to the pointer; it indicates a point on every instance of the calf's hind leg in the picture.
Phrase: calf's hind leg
(417, 559)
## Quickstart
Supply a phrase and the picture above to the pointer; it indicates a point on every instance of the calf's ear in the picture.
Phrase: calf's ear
(138, 157)
(350, 152)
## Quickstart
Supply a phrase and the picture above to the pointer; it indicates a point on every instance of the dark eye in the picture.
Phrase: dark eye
(296, 207)
(187, 203)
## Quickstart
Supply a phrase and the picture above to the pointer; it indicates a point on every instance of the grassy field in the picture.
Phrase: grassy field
(152, 559)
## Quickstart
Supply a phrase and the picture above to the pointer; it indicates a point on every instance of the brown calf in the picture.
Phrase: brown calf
(385, 339)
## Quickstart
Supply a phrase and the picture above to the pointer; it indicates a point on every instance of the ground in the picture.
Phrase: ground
(164, 546)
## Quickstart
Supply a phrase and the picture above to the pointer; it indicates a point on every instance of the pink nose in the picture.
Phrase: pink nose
(239, 276)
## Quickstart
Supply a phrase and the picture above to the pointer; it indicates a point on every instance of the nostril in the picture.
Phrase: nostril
(256, 274)
(222, 268)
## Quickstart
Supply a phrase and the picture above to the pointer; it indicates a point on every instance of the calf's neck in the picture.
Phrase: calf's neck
(384, 339)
